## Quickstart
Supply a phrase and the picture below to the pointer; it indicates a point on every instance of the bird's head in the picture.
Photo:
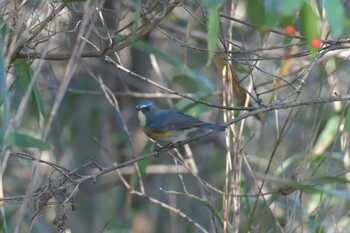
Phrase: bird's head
(146, 106)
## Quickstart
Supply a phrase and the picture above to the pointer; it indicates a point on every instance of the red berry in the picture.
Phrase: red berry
(289, 30)
(316, 44)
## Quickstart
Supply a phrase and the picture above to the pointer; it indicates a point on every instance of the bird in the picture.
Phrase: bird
(168, 125)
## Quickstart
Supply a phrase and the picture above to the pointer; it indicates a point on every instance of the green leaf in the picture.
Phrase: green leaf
(4, 102)
(322, 185)
(327, 136)
(310, 24)
(194, 84)
(244, 193)
(211, 3)
(213, 31)
(272, 18)
(192, 108)
(137, 16)
(289, 7)
(25, 141)
(256, 13)
(216, 214)
(347, 121)
(73, 1)
(335, 16)
(188, 84)
(202, 81)
(286, 164)
(275, 10)
(287, 20)
(39, 103)
(330, 180)
(25, 73)
(143, 164)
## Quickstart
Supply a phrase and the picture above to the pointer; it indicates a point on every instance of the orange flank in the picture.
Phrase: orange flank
(157, 134)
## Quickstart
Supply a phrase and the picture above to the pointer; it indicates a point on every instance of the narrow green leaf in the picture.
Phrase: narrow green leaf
(347, 121)
(137, 16)
(286, 8)
(190, 108)
(327, 136)
(141, 45)
(25, 141)
(210, 3)
(319, 187)
(256, 13)
(39, 103)
(335, 16)
(24, 72)
(143, 164)
(73, 1)
(213, 31)
(244, 193)
(4, 106)
(271, 13)
(310, 24)
(215, 213)
(276, 10)
(201, 80)
(330, 180)
(286, 164)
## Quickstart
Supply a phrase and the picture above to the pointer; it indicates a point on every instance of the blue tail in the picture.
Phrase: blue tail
(212, 127)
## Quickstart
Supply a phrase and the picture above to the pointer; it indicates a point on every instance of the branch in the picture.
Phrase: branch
(117, 46)
(81, 179)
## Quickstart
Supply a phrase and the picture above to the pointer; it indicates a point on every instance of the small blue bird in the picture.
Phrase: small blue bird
(168, 125)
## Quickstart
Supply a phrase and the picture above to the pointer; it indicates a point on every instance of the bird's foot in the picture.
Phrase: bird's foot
(178, 145)
(172, 145)
(159, 150)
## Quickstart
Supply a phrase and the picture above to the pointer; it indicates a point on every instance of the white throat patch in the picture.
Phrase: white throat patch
(142, 119)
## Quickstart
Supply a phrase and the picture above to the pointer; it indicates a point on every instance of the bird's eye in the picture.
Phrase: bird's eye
(145, 108)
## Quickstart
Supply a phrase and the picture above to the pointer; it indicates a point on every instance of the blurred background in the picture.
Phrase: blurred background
(276, 72)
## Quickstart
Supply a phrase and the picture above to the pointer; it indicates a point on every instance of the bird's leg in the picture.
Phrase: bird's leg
(178, 145)
(171, 145)
(159, 150)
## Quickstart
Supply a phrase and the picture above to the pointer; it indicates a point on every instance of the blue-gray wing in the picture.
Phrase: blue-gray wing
(170, 120)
